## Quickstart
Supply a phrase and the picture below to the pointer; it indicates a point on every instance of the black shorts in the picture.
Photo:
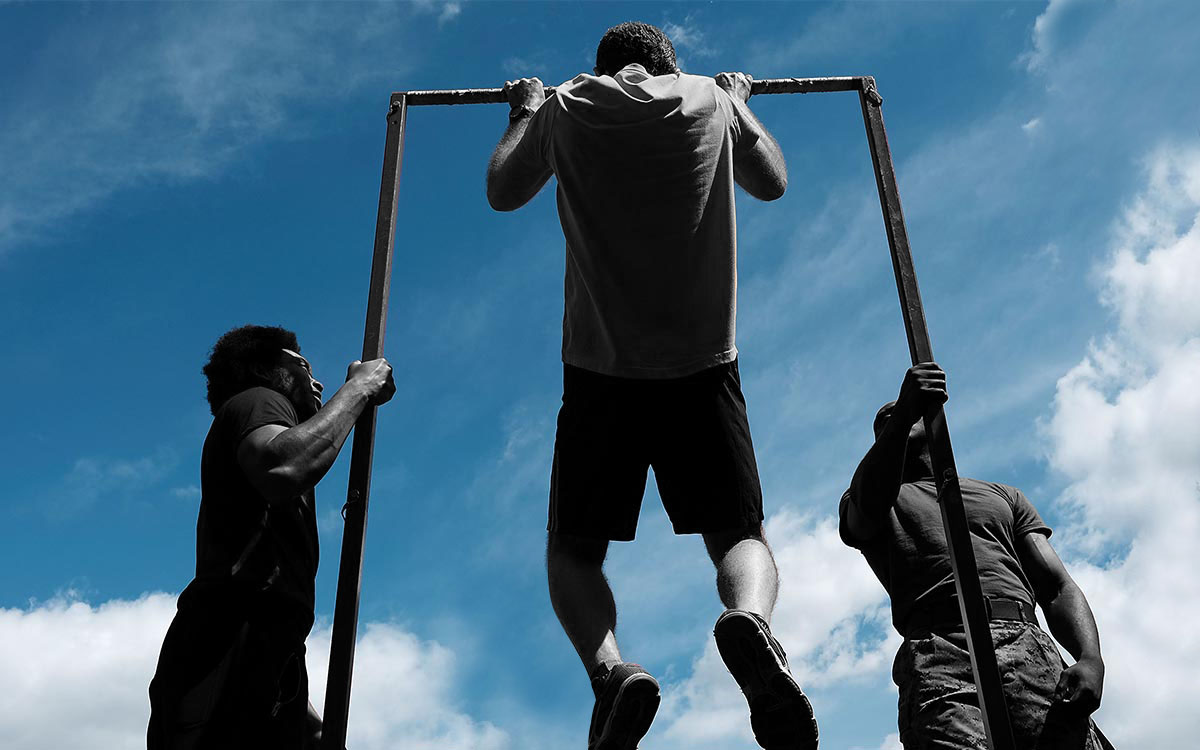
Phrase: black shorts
(692, 430)
(227, 680)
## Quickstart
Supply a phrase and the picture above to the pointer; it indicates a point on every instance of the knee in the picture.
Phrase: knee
(579, 550)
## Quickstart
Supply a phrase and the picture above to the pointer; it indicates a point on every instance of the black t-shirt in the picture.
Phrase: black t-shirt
(910, 558)
(244, 547)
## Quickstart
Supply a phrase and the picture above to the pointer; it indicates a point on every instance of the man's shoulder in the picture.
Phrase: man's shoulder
(1007, 491)
(255, 407)
(252, 397)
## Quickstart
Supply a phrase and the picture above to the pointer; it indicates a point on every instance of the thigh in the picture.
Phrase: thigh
(599, 472)
(702, 454)
(938, 707)
(267, 703)
(1030, 666)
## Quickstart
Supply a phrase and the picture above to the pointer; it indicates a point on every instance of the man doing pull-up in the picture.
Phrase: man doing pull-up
(646, 159)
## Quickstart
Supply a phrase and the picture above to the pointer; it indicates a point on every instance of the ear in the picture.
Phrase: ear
(265, 372)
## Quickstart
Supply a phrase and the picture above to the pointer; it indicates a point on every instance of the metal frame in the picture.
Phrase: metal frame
(966, 576)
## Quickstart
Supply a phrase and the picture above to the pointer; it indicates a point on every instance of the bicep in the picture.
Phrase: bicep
(855, 527)
(256, 459)
(1041, 564)
(512, 182)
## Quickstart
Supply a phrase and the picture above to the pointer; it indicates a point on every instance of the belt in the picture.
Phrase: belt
(946, 616)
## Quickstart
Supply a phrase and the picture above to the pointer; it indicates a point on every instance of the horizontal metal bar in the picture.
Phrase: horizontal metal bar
(765, 86)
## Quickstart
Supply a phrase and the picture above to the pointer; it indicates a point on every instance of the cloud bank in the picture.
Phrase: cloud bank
(76, 677)
(1125, 432)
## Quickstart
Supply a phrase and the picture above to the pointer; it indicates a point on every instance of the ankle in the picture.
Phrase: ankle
(599, 675)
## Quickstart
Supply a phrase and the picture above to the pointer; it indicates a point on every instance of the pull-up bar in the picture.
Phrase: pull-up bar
(954, 519)
(765, 86)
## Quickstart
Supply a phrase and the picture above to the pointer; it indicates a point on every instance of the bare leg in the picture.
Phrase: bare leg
(582, 598)
(747, 580)
(746, 574)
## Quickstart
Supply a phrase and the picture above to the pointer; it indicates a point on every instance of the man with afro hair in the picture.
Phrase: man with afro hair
(646, 158)
(231, 672)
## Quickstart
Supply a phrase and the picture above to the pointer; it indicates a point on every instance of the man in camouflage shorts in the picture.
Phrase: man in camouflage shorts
(890, 513)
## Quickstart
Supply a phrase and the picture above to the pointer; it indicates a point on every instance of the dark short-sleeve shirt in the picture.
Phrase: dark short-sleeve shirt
(910, 556)
(244, 545)
(646, 202)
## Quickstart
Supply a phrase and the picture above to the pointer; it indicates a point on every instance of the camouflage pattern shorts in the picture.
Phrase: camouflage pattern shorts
(940, 711)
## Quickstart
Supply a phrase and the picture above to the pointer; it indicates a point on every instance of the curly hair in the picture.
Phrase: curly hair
(635, 42)
(244, 358)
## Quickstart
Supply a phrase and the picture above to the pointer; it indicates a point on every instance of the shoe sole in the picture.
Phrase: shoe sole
(633, 711)
(780, 714)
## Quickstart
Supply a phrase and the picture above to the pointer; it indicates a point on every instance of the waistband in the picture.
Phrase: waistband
(946, 616)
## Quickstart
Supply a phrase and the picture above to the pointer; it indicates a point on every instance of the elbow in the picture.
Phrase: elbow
(283, 484)
(775, 189)
(499, 202)
(498, 198)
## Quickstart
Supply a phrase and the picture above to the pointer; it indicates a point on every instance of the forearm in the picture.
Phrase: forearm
(762, 171)
(303, 454)
(1072, 624)
(500, 190)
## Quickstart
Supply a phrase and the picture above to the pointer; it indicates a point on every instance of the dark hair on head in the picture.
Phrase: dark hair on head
(635, 42)
(244, 358)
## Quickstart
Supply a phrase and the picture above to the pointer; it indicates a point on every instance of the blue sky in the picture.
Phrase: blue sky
(174, 170)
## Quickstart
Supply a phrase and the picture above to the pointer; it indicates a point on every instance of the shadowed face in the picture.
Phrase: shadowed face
(298, 384)
(916, 434)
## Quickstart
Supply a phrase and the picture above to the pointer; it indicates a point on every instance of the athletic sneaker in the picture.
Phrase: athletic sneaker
(780, 714)
(626, 700)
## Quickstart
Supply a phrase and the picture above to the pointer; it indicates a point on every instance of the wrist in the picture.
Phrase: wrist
(521, 112)
(1092, 659)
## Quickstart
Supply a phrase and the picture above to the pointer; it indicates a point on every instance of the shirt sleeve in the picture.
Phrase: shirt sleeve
(843, 526)
(254, 408)
(1026, 519)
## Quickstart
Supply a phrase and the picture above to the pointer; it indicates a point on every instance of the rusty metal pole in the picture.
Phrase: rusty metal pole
(954, 518)
(345, 613)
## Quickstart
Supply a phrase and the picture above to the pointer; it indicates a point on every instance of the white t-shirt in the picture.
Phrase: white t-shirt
(646, 200)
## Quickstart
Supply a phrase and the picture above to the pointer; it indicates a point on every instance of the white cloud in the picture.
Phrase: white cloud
(76, 676)
(188, 492)
(1125, 431)
(446, 10)
(1043, 36)
(450, 11)
(403, 694)
(92, 478)
(688, 37)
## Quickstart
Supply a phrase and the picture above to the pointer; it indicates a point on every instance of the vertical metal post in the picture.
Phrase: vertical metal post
(954, 519)
(345, 614)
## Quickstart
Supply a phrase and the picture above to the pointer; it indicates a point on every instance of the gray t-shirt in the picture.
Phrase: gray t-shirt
(910, 557)
(646, 201)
